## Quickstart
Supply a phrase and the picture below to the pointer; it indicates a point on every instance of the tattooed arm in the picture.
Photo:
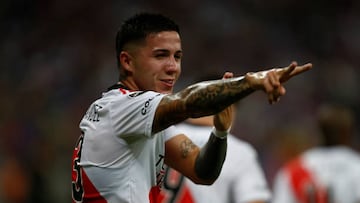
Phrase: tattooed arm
(203, 165)
(209, 159)
(211, 97)
(200, 99)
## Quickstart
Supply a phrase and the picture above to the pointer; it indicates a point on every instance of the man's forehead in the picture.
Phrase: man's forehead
(164, 41)
(164, 35)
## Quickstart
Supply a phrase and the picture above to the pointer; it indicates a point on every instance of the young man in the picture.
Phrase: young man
(128, 134)
(328, 173)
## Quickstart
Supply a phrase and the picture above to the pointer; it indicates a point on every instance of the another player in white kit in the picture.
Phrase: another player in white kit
(127, 135)
(325, 174)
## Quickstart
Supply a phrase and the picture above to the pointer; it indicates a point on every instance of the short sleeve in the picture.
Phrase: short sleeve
(133, 114)
(171, 132)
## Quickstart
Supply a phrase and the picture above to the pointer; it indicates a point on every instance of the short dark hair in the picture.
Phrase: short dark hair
(336, 123)
(138, 27)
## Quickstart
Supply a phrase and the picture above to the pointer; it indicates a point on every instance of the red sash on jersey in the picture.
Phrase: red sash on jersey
(154, 194)
(304, 185)
(91, 193)
(83, 188)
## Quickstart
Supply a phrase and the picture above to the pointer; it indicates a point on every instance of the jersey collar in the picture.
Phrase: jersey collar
(117, 86)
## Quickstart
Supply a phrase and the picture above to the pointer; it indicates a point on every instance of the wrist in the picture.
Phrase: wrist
(220, 134)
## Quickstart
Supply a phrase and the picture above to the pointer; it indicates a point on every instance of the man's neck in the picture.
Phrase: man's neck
(129, 84)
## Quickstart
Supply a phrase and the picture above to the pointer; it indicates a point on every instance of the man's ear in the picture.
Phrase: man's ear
(126, 61)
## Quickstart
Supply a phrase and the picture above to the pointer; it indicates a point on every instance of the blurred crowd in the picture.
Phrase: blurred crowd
(58, 56)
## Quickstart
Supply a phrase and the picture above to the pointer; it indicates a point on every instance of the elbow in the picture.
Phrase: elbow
(211, 179)
(202, 181)
(207, 181)
(206, 176)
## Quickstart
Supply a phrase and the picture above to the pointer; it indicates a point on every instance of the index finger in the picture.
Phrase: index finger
(292, 71)
(290, 68)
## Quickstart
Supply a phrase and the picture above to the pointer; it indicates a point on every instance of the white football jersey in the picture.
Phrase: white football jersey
(322, 175)
(241, 179)
(117, 158)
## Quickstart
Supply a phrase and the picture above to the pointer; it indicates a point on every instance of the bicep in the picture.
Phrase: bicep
(180, 154)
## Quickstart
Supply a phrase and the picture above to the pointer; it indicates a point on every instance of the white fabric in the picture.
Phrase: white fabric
(241, 179)
(120, 155)
(336, 168)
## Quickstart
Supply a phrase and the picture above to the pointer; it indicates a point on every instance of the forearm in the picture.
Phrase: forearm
(200, 99)
(207, 98)
(211, 158)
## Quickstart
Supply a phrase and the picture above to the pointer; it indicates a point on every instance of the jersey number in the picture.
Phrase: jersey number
(77, 186)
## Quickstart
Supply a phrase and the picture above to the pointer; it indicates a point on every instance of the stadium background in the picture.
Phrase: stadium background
(58, 56)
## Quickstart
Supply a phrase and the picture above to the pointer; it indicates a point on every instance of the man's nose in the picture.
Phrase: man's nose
(172, 64)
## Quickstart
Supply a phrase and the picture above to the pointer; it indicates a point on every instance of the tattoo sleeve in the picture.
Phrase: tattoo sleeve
(201, 99)
(213, 96)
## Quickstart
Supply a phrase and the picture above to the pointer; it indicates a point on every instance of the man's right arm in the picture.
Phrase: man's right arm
(198, 100)
(204, 165)
(211, 97)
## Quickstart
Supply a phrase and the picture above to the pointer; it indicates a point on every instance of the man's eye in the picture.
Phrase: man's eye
(178, 56)
(160, 55)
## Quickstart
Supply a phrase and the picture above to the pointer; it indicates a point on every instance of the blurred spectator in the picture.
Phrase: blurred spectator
(15, 182)
(328, 173)
(52, 50)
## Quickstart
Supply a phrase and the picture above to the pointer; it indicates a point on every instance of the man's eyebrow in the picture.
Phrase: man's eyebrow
(161, 50)
(166, 51)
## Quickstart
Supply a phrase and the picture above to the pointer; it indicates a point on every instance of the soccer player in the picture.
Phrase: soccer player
(127, 135)
(328, 173)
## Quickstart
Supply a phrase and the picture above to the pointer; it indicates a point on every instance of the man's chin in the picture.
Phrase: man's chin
(166, 90)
